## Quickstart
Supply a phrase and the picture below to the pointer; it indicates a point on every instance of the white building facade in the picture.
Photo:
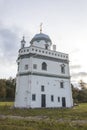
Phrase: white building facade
(43, 78)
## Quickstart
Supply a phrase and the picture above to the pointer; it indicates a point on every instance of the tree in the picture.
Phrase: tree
(2, 89)
(10, 89)
(82, 96)
(75, 92)
(7, 89)
(82, 84)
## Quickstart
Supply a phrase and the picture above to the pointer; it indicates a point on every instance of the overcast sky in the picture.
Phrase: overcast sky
(65, 21)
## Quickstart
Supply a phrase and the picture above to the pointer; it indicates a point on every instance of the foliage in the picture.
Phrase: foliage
(2, 89)
(79, 95)
(7, 89)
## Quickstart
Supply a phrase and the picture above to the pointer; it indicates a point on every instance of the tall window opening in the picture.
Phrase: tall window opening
(61, 84)
(44, 66)
(52, 98)
(34, 66)
(33, 97)
(63, 68)
(26, 67)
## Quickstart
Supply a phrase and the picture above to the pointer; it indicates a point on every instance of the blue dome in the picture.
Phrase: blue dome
(41, 36)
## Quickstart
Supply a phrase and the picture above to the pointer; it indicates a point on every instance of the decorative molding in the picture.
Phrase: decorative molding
(43, 74)
(43, 57)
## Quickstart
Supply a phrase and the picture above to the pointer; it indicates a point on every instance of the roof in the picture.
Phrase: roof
(41, 36)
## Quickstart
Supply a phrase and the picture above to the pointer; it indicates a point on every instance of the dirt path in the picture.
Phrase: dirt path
(44, 118)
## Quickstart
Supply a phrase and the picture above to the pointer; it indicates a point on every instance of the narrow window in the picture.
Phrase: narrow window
(46, 46)
(52, 98)
(34, 66)
(42, 88)
(63, 69)
(33, 97)
(18, 66)
(58, 99)
(44, 66)
(61, 84)
(26, 67)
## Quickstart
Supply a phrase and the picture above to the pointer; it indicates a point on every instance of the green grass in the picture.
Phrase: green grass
(6, 104)
(78, 112)
(43, 119)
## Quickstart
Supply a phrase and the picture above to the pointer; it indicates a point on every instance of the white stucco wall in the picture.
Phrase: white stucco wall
(52, 87)
(29, 81)
(32, 85)
(53, 67)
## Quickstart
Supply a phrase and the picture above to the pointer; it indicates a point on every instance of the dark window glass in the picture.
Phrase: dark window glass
(52, 98)
(26, 67)
(33, 97)
(58, 99)
(62, 69)
(61, 85)
(42, 88)
(44, 66)
(18, 66)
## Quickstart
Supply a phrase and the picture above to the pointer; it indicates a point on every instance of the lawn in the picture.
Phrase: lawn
(42, 119)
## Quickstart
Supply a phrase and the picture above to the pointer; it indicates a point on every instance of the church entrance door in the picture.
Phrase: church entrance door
(43, 100)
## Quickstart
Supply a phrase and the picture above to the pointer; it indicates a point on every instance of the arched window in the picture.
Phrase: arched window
(63, 68)
(44, 66)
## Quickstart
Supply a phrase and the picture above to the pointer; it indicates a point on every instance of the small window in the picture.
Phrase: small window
(34, 66)
(63, 69)
(46, 46)
(42, 88)
(26, 67)
(61, 84)
(18, 66)
(58, 99)
(33, 97)
(44, 66)
(52, 98)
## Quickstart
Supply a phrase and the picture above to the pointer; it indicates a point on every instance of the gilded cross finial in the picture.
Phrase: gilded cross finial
(41, 27)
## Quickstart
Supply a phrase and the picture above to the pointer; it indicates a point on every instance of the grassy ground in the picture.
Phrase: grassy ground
(42, 119)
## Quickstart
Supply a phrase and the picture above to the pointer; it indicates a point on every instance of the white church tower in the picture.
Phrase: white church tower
(43, 78)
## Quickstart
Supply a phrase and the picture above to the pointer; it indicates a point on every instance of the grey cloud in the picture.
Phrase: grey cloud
(75, 66)
(8, 43)
(80, 74)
